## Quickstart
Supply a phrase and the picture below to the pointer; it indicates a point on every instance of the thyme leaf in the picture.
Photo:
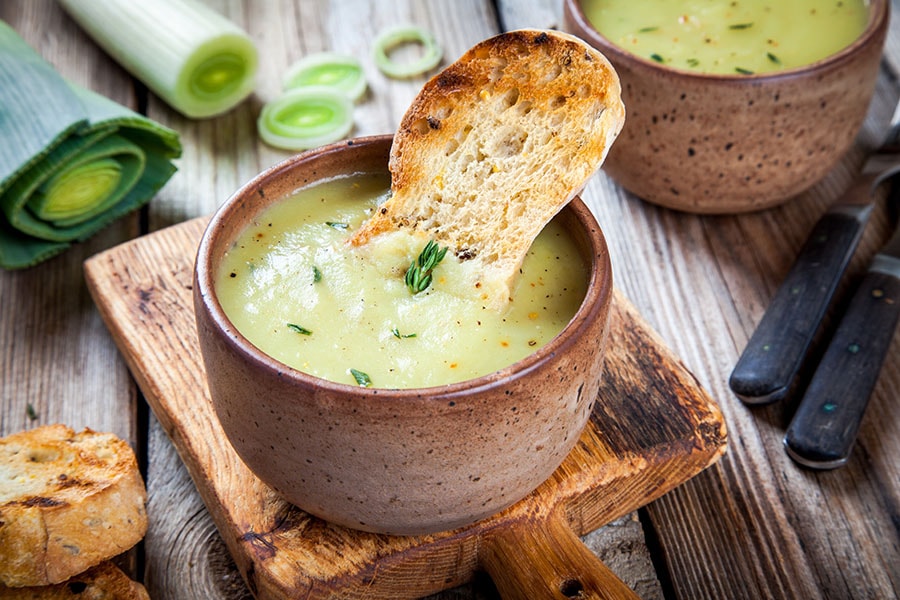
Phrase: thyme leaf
(361, 378)
(418, 275)
(317, 274)
(743, 71)
(400, 336)
(299, 329)
(741, 26)
(773, 58)
(337, 225)
(658, 58)
(31, 412)
(647, 29)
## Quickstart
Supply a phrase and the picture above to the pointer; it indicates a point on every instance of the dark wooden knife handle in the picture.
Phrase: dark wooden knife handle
(772, 358)
(823, 430)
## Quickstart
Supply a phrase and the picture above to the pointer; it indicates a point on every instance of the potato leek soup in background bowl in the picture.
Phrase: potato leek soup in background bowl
(388, 410)
(734, 106)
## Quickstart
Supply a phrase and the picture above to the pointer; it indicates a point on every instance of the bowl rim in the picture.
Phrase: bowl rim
(879, 17)
(598, 296)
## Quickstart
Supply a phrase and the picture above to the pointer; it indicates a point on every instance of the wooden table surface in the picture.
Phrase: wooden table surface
(752, 526)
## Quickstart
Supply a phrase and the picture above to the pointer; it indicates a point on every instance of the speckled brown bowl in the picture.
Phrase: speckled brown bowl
(729, 144)
(397, 461)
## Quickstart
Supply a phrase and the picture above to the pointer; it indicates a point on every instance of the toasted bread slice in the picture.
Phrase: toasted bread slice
(68, 501)
(495, 145)
(103, 582)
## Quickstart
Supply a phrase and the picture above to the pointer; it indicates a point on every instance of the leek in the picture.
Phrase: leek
(195, 59)
(71, 161)
(339, 71)
(306, 117)
(396, 36)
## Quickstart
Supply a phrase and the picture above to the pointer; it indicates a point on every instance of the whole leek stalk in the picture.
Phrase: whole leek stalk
(192, 57)
(71, 160)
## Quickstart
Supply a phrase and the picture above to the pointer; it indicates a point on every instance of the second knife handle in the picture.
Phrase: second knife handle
(824, 428)
(775, 352)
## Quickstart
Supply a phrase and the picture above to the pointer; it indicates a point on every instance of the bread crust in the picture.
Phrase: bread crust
(103, 582)
(68, 501)
(497, 143)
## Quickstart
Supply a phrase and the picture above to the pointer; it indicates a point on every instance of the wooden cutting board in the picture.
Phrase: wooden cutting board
(653, 428)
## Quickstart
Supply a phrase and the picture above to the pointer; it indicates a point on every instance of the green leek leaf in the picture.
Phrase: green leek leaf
(70, 163)
(192, 57)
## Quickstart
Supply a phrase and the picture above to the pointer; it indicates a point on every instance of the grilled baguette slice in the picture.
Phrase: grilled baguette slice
(495, 145)
(68, 501)
(103, 582)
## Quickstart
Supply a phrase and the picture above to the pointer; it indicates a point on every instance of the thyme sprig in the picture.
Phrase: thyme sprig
(418, 276)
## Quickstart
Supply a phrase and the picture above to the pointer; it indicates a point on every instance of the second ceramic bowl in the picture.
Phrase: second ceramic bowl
(729, 144)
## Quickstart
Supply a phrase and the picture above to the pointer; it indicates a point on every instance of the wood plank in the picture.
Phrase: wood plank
(651, 430)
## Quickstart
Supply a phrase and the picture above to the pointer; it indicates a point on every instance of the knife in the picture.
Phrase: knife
(824, 427)
(768, 367)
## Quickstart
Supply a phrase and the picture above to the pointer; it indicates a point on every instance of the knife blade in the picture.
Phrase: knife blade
(768, 367)
(823, 430)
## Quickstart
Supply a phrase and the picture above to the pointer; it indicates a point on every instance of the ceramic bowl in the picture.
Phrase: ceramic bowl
(408, 461)
(729, 144)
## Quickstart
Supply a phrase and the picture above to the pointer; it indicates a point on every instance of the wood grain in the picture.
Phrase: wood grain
(542, 558)
(652, 429)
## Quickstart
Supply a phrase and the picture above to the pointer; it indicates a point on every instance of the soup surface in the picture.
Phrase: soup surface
(731, 37)
(294, 288)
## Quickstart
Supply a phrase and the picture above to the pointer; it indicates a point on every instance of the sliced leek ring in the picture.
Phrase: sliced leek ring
(306, 117)
(339, 71)
(389, 39)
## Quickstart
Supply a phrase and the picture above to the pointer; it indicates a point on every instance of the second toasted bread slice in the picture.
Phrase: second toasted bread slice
(68, 501)
(495, 145)
(103, 582)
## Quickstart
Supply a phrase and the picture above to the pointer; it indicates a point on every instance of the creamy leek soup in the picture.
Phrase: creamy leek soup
(730, 36)
(296, 289)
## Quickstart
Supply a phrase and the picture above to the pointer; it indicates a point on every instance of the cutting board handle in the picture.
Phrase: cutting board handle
(543, 559)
